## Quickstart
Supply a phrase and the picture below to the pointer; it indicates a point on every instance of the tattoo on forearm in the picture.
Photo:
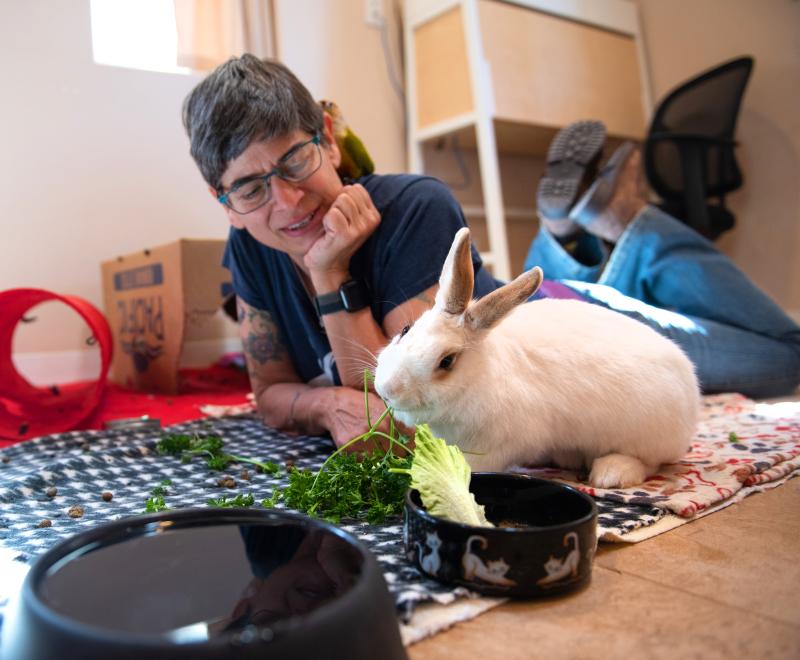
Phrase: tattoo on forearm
(259, 317)
(262, 341)
(263, 347)
(424, 297)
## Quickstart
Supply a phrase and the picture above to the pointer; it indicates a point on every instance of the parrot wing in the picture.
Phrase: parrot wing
(356, 161)
(355, 147)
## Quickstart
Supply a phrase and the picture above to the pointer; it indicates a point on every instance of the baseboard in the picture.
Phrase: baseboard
(53, 367)
(206, 352)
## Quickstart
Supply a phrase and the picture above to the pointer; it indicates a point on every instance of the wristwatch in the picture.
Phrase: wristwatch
(351, 297)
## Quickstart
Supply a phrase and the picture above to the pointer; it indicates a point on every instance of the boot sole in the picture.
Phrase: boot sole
(572, 151)
(596, 198)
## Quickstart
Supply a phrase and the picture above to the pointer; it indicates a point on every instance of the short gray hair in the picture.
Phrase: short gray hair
(246, 99)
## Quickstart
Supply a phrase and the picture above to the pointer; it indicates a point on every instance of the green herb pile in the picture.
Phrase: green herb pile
(367, 486)
(348, 485)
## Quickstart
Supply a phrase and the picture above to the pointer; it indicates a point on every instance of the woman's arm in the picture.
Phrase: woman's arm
(285, 402)
(276, 386)
(355, 337)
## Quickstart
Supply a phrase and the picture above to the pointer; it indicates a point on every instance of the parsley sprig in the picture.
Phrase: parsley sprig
(210, 448)
(156, 501)
(226, 502)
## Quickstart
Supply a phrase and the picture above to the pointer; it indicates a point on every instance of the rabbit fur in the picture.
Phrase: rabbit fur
(560, 382)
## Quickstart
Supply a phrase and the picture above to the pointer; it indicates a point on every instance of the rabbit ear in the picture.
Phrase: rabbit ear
(456, 280)
(487, 311)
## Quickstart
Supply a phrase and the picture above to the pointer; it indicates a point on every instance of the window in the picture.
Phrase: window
(178, 36)
(138, 34)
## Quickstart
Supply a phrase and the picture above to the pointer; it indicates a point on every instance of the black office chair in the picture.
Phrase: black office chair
(689, 151)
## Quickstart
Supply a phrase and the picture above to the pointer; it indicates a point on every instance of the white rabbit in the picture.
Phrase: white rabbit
(561, 382)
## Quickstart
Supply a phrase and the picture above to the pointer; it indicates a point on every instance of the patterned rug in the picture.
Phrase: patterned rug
(738, 445)
(81, 465)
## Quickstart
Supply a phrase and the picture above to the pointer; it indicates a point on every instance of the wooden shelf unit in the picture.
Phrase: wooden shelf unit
(506, 75)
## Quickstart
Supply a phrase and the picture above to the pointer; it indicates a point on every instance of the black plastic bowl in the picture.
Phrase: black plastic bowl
(543, 544)
(204, 583)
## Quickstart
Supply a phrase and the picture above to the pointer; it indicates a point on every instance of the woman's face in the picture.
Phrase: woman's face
(292, 220)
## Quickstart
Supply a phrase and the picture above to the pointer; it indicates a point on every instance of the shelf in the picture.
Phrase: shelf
(511, 137)
(503, 77)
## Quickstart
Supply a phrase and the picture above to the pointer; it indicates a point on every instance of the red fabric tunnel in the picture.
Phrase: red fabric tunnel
(27, 411)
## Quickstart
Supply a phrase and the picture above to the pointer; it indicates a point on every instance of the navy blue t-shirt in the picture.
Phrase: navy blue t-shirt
(400, 260)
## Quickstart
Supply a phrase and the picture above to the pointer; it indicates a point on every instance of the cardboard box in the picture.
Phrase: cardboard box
(161, 301)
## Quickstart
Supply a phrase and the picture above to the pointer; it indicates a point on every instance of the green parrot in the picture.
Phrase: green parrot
(356, 161)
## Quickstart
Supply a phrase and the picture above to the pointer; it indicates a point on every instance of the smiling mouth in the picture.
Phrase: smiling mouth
(301, 224)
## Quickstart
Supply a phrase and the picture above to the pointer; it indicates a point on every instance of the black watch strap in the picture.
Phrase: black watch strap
(350, 297)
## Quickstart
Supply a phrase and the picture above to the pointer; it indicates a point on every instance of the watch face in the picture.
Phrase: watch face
(354, 295)
(351, 296)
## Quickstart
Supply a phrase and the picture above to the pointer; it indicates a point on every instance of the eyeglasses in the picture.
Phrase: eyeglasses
(299, 163)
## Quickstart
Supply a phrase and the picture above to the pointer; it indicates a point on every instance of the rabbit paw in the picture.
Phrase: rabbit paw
(617, 471)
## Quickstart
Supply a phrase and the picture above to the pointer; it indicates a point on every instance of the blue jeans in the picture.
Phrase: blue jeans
(668, 276)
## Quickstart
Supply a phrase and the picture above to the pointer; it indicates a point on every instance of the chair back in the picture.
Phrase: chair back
(689, 151)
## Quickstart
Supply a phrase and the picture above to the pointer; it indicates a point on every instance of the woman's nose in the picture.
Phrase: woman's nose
(285, 195)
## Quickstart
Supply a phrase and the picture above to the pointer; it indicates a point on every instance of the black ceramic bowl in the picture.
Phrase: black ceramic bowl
(543, 543)
(204, 583)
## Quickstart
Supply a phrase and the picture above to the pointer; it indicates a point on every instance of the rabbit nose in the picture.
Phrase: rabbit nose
(386, 388)
(383, 391)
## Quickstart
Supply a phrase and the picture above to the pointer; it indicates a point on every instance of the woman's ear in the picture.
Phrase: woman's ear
(330, 142)
(234, 218)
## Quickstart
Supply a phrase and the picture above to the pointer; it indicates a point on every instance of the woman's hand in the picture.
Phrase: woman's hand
(350, 220)
(345, 418)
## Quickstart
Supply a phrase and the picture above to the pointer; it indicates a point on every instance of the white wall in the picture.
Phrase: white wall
(95, 161)
(338, 56)
(685, 37)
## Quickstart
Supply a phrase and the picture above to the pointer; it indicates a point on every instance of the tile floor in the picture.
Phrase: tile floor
(724, 586)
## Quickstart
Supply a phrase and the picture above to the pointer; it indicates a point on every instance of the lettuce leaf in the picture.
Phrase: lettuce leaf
(441, 474)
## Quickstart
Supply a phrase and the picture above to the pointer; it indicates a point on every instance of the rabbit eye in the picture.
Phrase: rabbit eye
(447, 361)
(405, 330)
